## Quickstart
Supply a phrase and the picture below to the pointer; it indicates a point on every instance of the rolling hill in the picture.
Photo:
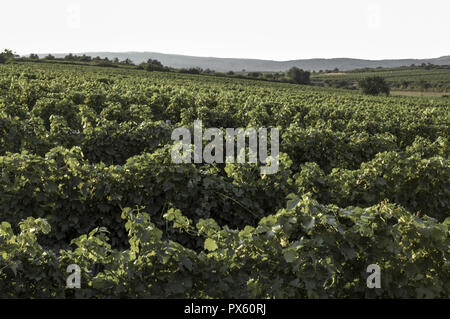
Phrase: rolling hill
(237, 65)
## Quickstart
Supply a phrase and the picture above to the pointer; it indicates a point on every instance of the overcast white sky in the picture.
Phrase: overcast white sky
(278, 30)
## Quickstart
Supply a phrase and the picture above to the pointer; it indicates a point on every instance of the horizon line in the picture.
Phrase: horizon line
(236, 58)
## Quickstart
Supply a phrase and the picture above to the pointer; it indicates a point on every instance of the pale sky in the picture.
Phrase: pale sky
(277, 30)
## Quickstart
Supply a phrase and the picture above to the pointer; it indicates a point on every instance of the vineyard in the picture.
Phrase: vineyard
(87, 178)
(435, 79)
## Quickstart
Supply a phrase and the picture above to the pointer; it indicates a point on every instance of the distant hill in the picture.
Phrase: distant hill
(237, 65)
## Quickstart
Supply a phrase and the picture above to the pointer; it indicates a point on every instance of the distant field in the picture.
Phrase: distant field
(415, 93)
(400, 79)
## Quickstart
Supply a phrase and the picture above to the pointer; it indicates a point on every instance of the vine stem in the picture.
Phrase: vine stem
(234, 200)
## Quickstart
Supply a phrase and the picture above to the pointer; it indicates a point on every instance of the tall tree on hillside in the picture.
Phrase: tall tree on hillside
(7, 55)
(127, 61)
(69, 57)
(153, 65)
(299, 76)
(374, 85)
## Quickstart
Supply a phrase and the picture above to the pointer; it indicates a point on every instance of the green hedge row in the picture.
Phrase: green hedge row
(75, 196)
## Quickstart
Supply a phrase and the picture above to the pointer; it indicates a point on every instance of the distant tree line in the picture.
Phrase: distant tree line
(335, 70)
(294, 75)
(425, 66)
(69, 58)
(7, 55)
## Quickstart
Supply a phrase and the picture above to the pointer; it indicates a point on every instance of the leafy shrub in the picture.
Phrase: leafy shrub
(374, 85)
